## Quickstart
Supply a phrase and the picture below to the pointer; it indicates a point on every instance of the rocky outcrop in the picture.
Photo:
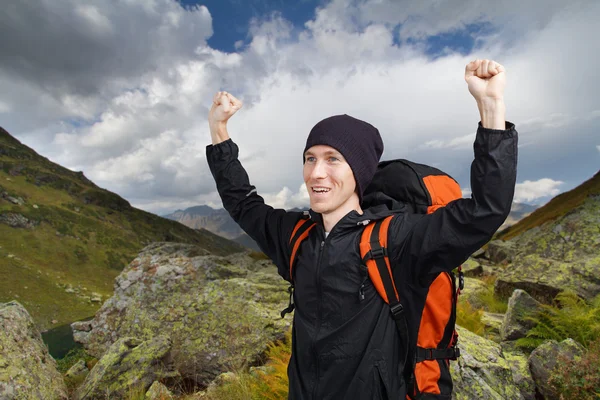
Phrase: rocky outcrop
(500, 252)
(546, 357)
(219, 312)
(483, 371)
(561, 254)
(517, 320)
(128, 365)
(26, 368)
(472, 291)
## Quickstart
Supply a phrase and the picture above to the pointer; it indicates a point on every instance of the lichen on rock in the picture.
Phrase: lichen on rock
(220, 312)
(482, 370)
(26, 368)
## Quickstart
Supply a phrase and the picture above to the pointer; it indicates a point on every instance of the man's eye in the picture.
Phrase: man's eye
(333, 159)
(310, 159)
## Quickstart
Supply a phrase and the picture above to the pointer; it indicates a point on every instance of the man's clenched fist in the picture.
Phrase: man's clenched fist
(486, 80)
(223, 107)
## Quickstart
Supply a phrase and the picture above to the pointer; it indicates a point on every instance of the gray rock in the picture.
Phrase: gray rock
(129, 364)
(500, 252)
(546, 357)
(472, 268)
(483, 371)
(516, 323)
(78, 369)
(218, 315)
(26, 368)
(158, 391)
(492, 322)
(17, 221)
(472, 291)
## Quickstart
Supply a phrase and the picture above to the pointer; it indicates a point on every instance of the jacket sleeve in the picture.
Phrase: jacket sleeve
(428, 244)
(270, 228)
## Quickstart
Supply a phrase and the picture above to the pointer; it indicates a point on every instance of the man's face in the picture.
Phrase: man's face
(329, 180)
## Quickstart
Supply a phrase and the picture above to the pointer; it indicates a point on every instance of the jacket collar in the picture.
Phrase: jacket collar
(353, 218)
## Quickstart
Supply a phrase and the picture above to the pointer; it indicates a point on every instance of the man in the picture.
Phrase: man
(346, 347)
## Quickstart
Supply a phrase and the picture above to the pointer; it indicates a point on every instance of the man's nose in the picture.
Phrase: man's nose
(319, 171)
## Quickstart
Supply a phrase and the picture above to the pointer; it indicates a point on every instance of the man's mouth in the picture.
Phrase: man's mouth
(319, 189)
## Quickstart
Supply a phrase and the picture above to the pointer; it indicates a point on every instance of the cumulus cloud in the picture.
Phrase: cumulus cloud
(529, 191)
(126, 100)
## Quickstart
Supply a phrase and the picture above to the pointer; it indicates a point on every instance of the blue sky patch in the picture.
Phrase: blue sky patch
(231, 18)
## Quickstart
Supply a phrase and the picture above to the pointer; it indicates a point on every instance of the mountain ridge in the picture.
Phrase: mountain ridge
(63, 239)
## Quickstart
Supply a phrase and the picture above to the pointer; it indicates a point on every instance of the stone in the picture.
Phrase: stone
(158, 391)
(546, 357)
(483, 371)
(471, 292)
(78, 369)
(516, 323)
(17, 221)
(129, 364)
(492, 322)
(500, 252)
(26, 368)
(219, 315)
(472, 268)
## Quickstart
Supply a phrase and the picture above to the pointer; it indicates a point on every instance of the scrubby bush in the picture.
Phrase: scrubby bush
(578, 378)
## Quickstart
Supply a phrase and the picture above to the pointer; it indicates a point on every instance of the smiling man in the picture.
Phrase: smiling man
(345, 346)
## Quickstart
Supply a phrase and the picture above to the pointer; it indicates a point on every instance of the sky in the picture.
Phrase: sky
(121, 90)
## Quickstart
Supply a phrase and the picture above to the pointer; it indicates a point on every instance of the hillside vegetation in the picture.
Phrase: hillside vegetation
(63, 239)
(557, 207)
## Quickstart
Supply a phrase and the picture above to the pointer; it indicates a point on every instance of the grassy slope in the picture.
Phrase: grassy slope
(83, 238)
(558, 206)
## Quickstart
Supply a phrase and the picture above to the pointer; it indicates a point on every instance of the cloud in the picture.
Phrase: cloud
(126, 100)
(598, 148)
(78, 55)
(529, 191)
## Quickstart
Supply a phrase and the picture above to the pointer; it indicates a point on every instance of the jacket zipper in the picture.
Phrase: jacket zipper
(315, 390)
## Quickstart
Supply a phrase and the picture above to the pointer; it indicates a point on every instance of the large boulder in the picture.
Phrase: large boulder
(220, 312)
(561, 254)
(128, 365)
(546, 357)
(26, 368)
(484, 372)
(517, 320)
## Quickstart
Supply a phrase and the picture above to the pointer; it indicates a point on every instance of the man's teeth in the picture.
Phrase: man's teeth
(321, 190)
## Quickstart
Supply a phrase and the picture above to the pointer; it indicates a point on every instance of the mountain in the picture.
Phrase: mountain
(555, 248)
(217, 221)
(63, 240)
(518, 211)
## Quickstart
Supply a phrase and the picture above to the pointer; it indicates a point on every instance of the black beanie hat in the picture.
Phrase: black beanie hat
(358, 141)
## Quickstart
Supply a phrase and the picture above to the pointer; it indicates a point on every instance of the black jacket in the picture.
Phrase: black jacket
(344, 347)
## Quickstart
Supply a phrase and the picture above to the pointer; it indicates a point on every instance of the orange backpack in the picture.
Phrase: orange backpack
(423, 189)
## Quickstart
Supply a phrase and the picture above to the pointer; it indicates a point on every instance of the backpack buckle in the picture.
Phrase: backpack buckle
(397, 311)
(377, 253)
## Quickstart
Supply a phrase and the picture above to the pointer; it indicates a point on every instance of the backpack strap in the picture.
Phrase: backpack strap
(300, 232)
(374, 254)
